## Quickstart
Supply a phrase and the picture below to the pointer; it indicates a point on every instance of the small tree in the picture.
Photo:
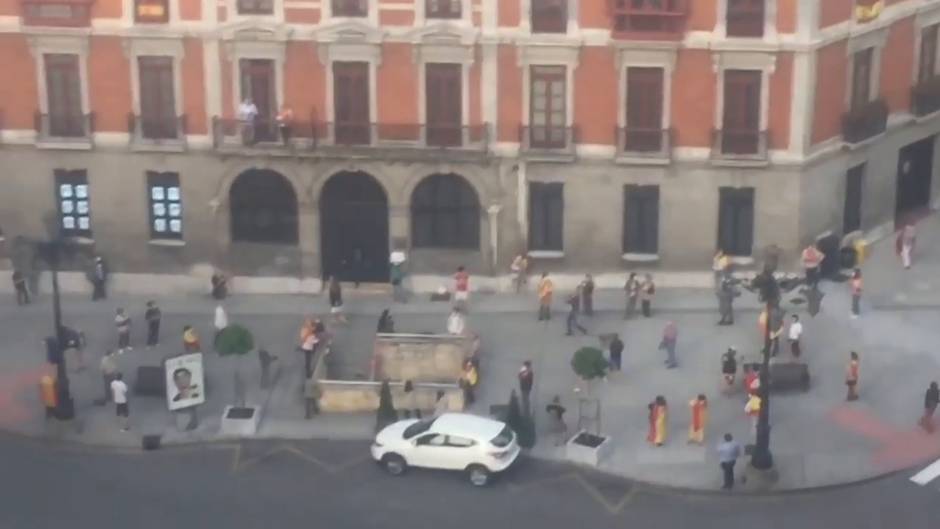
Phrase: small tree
(386, 413)
(235, 340)
(589, 363)
(520, 423)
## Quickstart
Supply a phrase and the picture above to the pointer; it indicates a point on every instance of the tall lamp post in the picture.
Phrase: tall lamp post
(51, 252)
(769, 291)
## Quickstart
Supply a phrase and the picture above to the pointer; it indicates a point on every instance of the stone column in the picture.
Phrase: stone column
(493, 214)
(308, 231)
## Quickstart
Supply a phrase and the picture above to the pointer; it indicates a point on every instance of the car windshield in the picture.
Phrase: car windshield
(417, 428)
(503, 438)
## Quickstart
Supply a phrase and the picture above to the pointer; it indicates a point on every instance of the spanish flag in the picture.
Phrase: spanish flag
(868, 10)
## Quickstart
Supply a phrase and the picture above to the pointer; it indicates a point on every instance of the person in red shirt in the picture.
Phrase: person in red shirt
(751, 379)
(856, 286)
(461, 286)
(811, 259)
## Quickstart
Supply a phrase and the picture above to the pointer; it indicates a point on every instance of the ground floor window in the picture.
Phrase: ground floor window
(73, 202)
(445, 213)
(546, 216)
(641, 219)
(736, 220)
(166, 205)
(263, 208)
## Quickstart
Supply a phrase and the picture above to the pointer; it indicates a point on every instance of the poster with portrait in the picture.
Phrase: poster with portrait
(185, 384)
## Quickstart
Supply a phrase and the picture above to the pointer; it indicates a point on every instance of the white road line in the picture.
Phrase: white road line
(928, 474)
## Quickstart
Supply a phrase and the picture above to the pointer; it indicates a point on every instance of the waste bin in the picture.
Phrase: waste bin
(861, 251)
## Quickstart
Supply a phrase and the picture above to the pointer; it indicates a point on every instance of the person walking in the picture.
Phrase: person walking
(520, 272)
(811, 258)
(632, 290)
(265, 358)
(729, 451)
(726, 294)
(587, 295)
(905, 244)
(574, 307)
(219, 322)
(729, 368)
(108, 367)
(99, 279)
(698, 408)
(311, 398)
(793, 334)
(308, 343)
(386, 323)
(461, 287)
(219, 285)
(152, 316)
(119, 395)
(335, 290)
(668, 343)
(752, 410)
(397, 276)
(657, 421)
(191, 340)
(856, 285)
(526, 378)
(931, 399)
(409, 403)
(546, 290)
(647, 291)
(851, 377)
(558, 427)
(456, 323)
(19, 285)
(616, 353)
(123, 324)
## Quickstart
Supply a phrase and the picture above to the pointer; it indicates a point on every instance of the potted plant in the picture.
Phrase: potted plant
(587, 448)
(238, 419)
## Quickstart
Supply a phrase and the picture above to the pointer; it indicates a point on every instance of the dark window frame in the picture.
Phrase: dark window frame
(255, 7)
(66, 114)
(350, 8)
(862, 67)
(549, 16)
(645, 107)
(548, 135)
(741, 115)
(73, 202)
(351, 102)
(157, 97)
(443, 9)
(546, 216)
(745, 18)
(927, 62)
(444, 104)
(445, 213)
(641, 219)
(143, 16)
(257, 73)
(267, 196)
(854, 198)
(736, 220)
(165, 201)
(42, 13)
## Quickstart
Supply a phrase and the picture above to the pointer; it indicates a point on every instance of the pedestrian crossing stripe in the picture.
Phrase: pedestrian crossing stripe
(928, 474)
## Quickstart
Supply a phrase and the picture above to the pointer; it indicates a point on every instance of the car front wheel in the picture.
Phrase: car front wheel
(479, 475)
(394, 464)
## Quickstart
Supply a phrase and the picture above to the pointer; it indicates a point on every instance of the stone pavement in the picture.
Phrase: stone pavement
(817, 440)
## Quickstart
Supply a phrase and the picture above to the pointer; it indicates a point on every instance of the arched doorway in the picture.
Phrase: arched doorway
(445, 213)
(263, 208)
(354, 228)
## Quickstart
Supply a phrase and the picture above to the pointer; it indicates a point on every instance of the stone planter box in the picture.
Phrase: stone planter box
(240, 421)
(588, 449)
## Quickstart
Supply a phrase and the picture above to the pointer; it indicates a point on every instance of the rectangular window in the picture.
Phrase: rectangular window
(928, 54)
(740, 122)
(166, 205)
(65, 13)
(444, 104)
(152, 11)
(255, 7)
(745, 18)
(861, 78)
(547, 115)
(350, 8)
(736, 220)
(73, 202)
(546, 216)
(258, 84)
(641, 219)
(64, 95)
(644, 110)
(648, 15)
(549, 16)
(351, 102)
(157, 98)
(852, 212)
(442, 8)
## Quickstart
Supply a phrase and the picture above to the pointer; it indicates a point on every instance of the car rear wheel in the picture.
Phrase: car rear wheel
(394, 464)
(479, 475)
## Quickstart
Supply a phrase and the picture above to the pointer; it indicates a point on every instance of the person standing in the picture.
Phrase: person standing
(191, 340)
(308, 342)
(728, 453)
(647, 291)
(726, 294)
(720, 264)
(811, 258)
(657, 421)
(311, 398)
(526, 378)
(123, 324)
(793, 334)
(905, 244)
(546, 290)
(397, 276)
(335, 290)
(751, 379)
(752, 410)
(219, 285)
(632, 290)
(587, 295)
(152, 317)
(99, 279)
(285, 121)
(699, 412)
(851, 377)
(456, 324)
(119, 395)
(776, 327)
(386, 323)
(461, 287)
(219, 322)
(558, 427)
(468, 382)
(931, 399)
(19, 284)
(266, 359)
(520, 272)
(729, 368)
(108, 368)
(616, 353)
(856, 285)
(409, 401)
(248, 115)
(670, 336)
(574, 307)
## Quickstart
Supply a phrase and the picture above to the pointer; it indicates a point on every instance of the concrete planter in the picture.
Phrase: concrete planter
(240, 421)
(588, 449)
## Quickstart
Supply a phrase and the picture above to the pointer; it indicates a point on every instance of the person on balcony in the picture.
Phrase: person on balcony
(248, 115)
(285, 121)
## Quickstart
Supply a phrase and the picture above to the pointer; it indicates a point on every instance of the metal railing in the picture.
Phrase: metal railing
(865, 121)
(64, 127)
(154, 131)
(262, 133)
(402, 135)
(739, 144)
(541, 139)
(661, 16)
(925, 97)
(642, 142)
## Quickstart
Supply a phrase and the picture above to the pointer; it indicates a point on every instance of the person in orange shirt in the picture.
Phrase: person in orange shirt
(699, 408)
(856, 285)
(851, 377)
(546, 289)
(285, 120)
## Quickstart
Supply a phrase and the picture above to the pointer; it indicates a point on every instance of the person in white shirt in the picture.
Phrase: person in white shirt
(119, 394)
(123, 324)
(456, 324)
(220, 321)
(247, 113)
(794, 334)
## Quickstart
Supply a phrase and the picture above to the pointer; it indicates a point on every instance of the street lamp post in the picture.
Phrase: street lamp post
(51, 252)
(761, 458)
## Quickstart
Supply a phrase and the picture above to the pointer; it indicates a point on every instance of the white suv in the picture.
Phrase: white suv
(453, 441)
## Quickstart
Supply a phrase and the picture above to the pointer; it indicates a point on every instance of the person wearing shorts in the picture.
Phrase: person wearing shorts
(119, 394)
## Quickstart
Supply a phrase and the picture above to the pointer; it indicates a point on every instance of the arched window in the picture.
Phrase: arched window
(445, 213)
(263, 208)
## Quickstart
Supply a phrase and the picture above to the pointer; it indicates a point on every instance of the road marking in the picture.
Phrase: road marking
(928, 474)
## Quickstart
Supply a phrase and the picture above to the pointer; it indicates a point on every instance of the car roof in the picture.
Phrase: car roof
(467, 425)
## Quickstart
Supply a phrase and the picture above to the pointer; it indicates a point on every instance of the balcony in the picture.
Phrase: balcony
(548, 143)
(865, 122)
(739, 147)
(925, 97)
(647, 18)
(65, 131)
(442, 9)
(58, 13)
(350, 8)
(639, 145)
(405, 141)
(157, 134)
(229, 134)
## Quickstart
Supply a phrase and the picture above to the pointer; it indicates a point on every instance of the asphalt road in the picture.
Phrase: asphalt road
(328, 484)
